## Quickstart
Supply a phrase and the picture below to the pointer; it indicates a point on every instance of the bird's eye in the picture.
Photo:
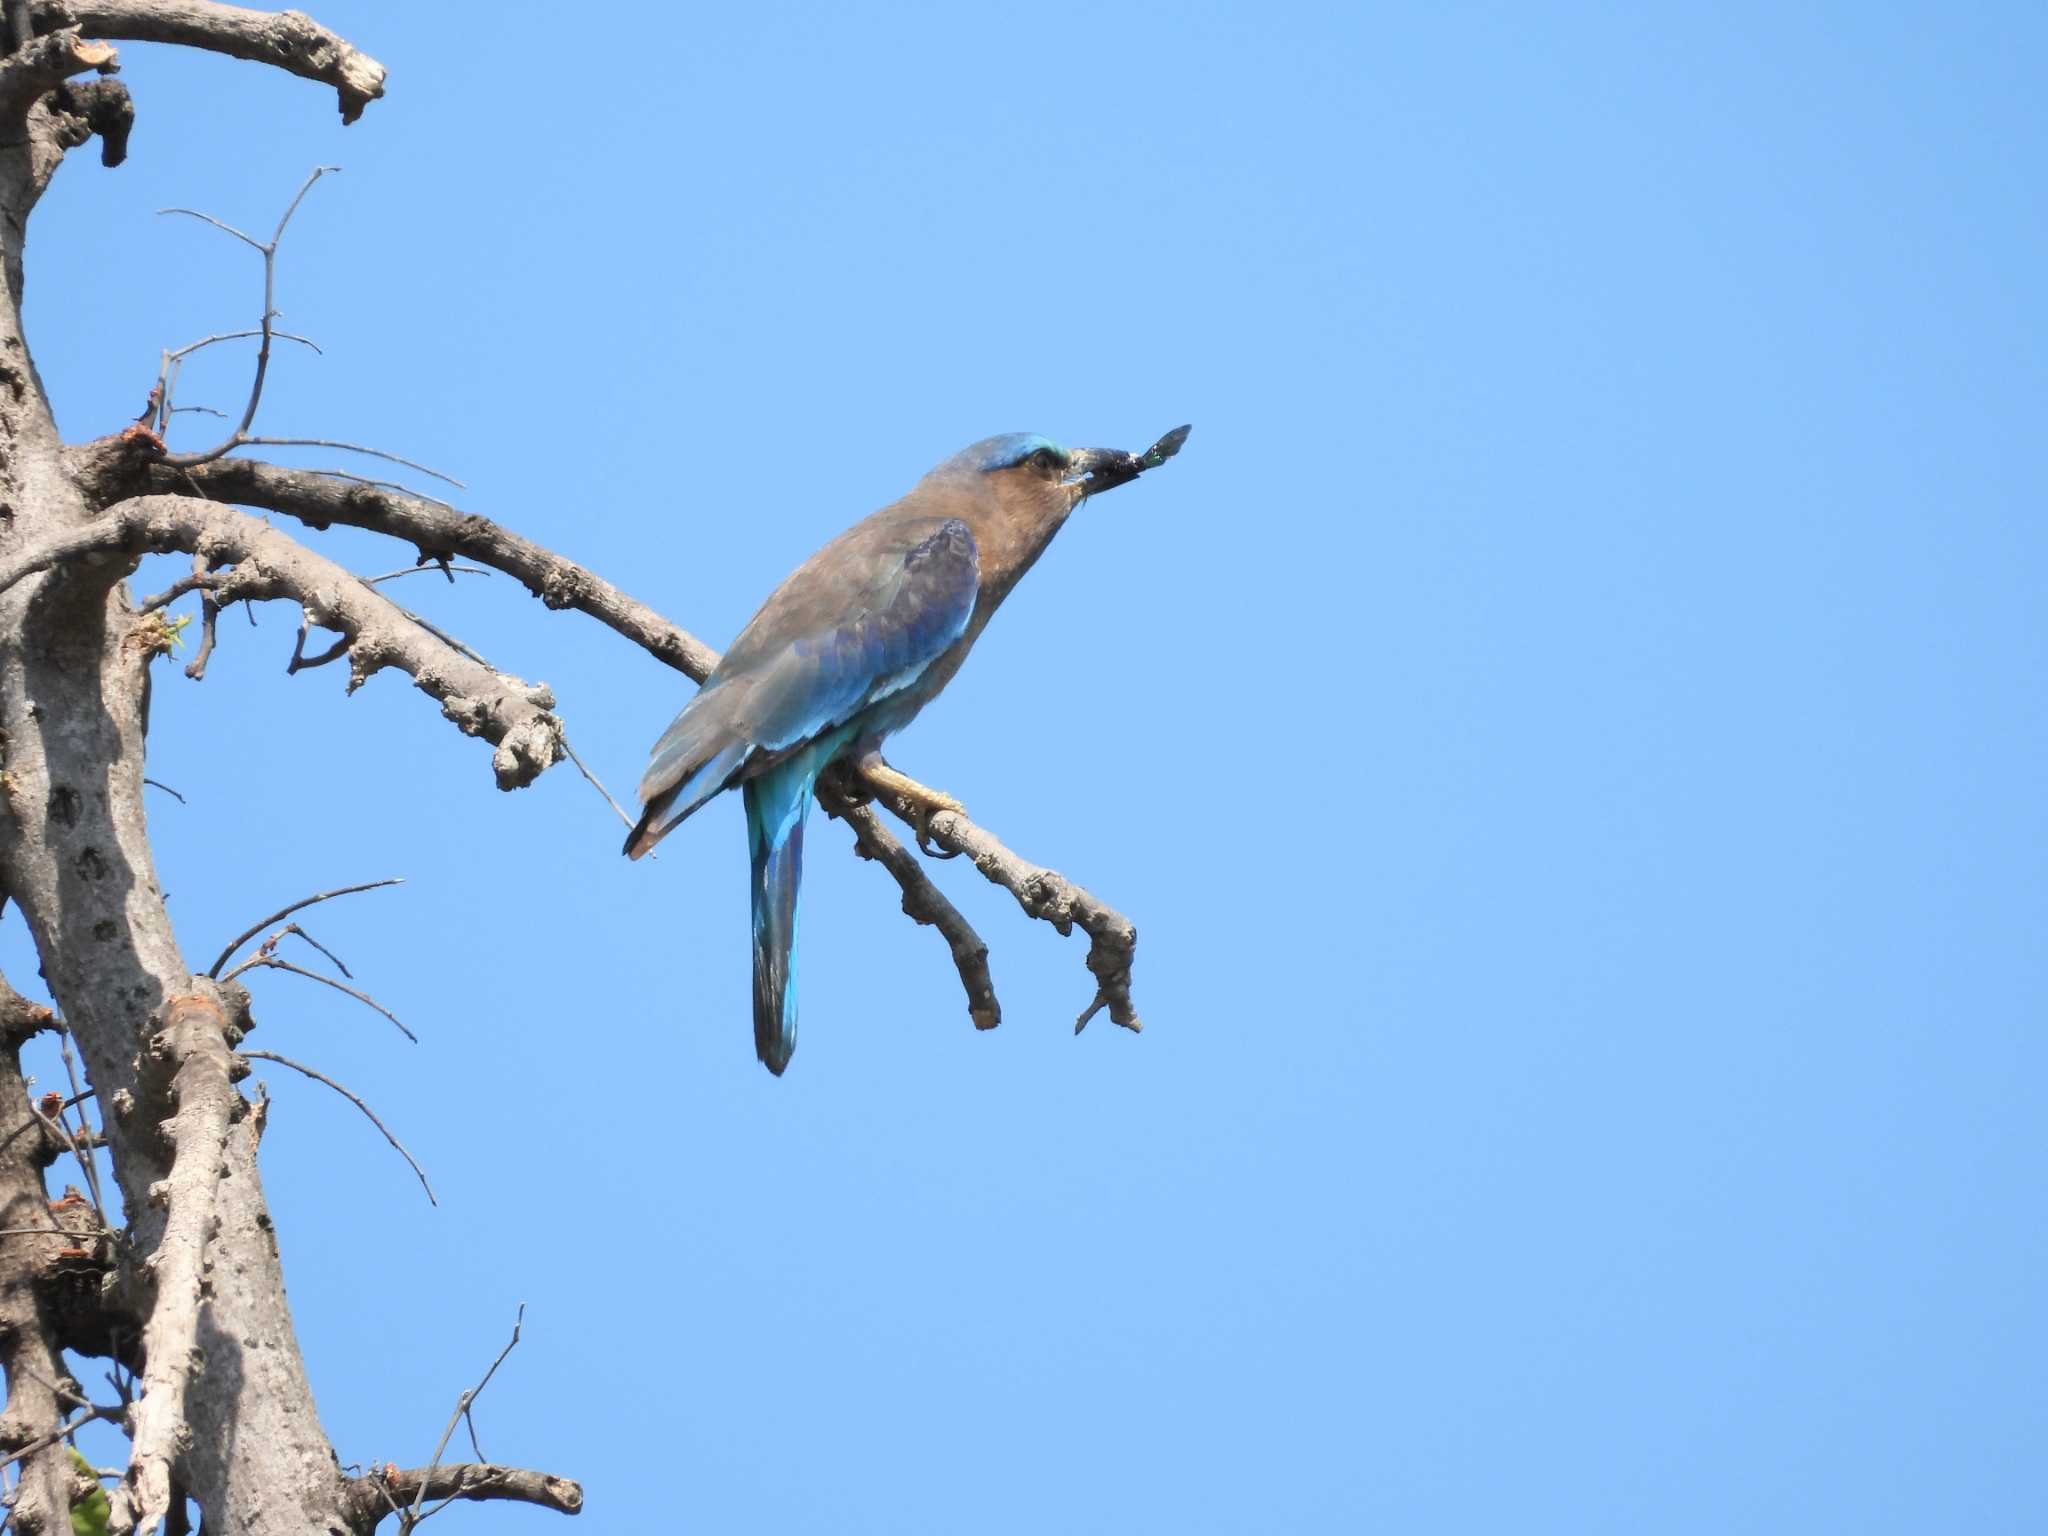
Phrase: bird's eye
(1042, 460)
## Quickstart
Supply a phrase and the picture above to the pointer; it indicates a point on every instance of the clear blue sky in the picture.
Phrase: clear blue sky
(1569, 730)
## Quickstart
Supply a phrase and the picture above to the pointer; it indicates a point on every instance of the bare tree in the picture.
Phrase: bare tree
(183, 1289)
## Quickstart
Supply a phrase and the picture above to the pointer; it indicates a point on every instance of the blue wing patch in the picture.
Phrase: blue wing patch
(825, 679)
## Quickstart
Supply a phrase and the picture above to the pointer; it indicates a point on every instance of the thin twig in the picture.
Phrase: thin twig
(266, 331)
(216, 223)
(166, 789)
(62, 1431)
(270, 946)
(448, 640)
(598, 784)
(322, 1077)
(375, 453)
(447, 568)
(92, 1168)
(383, 485)
(279, 916)
(273, 963)
(180, 353)
(36, 1118)
(57, 1389)
(413, 1517)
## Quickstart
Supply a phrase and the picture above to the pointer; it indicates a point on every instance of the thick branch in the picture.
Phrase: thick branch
(391, 1491)
(513, 716)
(29, 1347)
(193, 1048)
(439, 531)
(287, 40)
(20, 1018)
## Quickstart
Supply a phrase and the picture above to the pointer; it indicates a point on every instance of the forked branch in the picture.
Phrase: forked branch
(512, 715)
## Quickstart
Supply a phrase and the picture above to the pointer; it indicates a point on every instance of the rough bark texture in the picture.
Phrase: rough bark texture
(29, 1347)
(74, 851)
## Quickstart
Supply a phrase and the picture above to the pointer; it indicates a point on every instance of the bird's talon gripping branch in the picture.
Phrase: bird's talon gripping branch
(919, 801)
(925, 845)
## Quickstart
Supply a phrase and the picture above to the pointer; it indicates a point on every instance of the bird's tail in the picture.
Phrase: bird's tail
(778, 802)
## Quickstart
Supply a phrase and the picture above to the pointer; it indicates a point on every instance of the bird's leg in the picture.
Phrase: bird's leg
(853, 789)
(924, 802)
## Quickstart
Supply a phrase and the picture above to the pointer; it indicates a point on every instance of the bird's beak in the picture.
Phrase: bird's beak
(1091, 471)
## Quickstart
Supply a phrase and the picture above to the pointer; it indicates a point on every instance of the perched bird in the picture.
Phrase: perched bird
(847, 651)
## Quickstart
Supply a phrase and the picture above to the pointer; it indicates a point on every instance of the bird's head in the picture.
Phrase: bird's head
(1024, 466)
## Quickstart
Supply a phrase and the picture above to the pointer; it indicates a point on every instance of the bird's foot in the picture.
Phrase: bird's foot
(922, 801)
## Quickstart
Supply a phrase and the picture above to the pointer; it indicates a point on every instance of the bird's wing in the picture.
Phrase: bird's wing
(866, 616)
(858, 621)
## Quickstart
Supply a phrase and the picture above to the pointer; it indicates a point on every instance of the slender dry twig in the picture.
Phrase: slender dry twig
(78, 1095)
(374, 453)
(63, 1431)
(596, 783)
(268, 250)
(447, 568)
(171, 366)
(270, 946)
(322, 1077)
(37, 1119)
(447, 639)
(177, 354)
(71, 1145)
(297, 906)
(158, 783)
(271, 962)
(382, 485)
(462, 1405)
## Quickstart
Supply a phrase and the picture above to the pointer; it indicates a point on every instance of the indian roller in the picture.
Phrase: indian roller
(846, 652)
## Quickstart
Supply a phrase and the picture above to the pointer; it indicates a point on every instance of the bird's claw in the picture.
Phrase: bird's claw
(917, 803)
(925, 810)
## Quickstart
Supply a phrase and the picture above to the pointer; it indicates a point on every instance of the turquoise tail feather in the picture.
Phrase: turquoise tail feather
(778, 802)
